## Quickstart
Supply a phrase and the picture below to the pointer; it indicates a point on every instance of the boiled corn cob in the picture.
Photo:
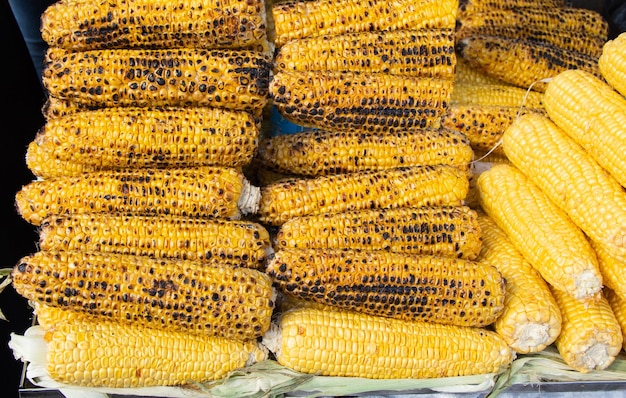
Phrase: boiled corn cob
(531, 319)
(370, 102)
(316, 152)
(350, 344)
(420, 53)
(591, 337)
(447, 231)
(195, 192)
(593, 114)
(400, 187)
(237, 242)
(233, 79)
(495, 94)
(568, 175)
(211, 299)
(297, 19)
(618, 305)
(115, 138)
(612, 269)
(467, 7)
(612, 63)
(541, 231)
(444, 290)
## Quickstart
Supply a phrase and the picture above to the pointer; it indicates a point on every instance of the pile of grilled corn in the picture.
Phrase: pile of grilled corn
(180, 239)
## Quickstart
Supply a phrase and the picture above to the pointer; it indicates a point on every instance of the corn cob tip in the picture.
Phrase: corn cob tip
(530, 335)
(588, 286)
(270, 341)
(250, 197)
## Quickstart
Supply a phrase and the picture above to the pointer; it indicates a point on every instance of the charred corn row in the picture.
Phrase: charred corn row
(233, 79)
(211, 299)
(496, 95)
(444, 290)
(618, 305)
(115, 138)
(297, 19)
(466, 74)
(577, 21)
(351, 344)
(237, 242)
(520, 62)
(401, 187)
(448, 231)
(467, 7)
(195, 192)
(541, 231)
(612, 269)
(591, 337)
(593, 114)
(265, 176)
(86, 25)
(612, 63)
(56, 107)
(592, 199)
(531, 319)
(315, 152)
(420, 53)
(370, 102)
(93, 353)
(44, 164)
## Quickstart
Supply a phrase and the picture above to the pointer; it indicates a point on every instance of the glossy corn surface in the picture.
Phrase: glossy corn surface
(612, 63)
(618, 305)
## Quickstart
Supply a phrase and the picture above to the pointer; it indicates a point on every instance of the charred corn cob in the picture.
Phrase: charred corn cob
(297, 19)
(56, 107)
(197, 192)
(240, 243)
(233, 79)
(520, 62)
(591, 337)
(447, 231)
(370, 102)
(531, 319)
(211, 299)
(612, 63)
(351, 344)
(568, 175)
(444, 290)
(467, 7)
(400, 187)
(593, 114)
(541, 231)
(316, 152)
(495, 94)
(419, 53)
(115, 138)
(464, 73)
(618, 305)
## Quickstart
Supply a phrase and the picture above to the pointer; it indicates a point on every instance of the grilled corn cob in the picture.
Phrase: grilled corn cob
(592, 199)
(541, 231)
(297, 19)
(370, 102)
(618, 305)
(240, 243)
(400, 187)
(211, 299)
(197, 192)
(467, 7)
(495, 94)
(591, 337)
(612, 63)
(233, 79)
(350, 344)
(419, 53)
(464, 73)
(447, 231)
(531, 319)
(318, 152)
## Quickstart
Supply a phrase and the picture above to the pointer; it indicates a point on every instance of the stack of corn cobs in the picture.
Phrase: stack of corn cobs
(184, 238)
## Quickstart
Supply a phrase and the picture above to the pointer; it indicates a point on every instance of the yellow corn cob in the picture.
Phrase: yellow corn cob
(370, 102)
(541, 231)
(612, 63)
(483, 158)
(401, 187)
(56, 107)
(592, 199)
(592, 114)
(448, 231)
(591, 337)
(316, 152)
(464, 73)
(350, 344)
(444, 290)
(212, 299)
(531, 319)
(467, 7)
(114, 138)
(240, 243)
(520, 62)
(198, 192)
(420, 53)
(233, 79)
(90, 353)
(297, 19)
(495, 95)
(618, 305)
(612, 269)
